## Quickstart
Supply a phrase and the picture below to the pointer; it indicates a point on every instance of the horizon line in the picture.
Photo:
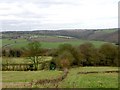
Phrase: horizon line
(55, 29)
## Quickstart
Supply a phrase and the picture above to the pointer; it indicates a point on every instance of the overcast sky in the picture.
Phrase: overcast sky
(58, 14)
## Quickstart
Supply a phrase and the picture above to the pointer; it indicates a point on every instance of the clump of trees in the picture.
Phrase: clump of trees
(86, 55)
(109, 54)
(90, 54)
(66, 56)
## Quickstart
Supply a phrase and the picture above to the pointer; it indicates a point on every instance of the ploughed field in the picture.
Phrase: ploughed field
(76, 78)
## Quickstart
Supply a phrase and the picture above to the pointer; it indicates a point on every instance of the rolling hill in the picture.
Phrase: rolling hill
(108, 35)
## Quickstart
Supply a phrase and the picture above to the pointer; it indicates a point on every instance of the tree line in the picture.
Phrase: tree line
(87, 55)
(67, 55)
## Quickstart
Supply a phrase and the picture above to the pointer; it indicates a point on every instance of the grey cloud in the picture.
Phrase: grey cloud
(19, 25)
(33, 20)
(35, 25)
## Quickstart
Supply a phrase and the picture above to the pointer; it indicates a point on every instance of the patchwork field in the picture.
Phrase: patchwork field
(20, 79)
(78, 77)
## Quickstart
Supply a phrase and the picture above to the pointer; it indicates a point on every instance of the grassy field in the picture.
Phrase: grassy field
(74, 43)
(27, 76)
(14, 42)
(73, 80)
(19, 43)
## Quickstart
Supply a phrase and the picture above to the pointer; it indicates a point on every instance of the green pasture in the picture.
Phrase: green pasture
(73, 80)
(19, 43)
(27, 76)
(74, 43)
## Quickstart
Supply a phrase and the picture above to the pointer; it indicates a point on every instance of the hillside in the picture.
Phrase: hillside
(108, 35)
